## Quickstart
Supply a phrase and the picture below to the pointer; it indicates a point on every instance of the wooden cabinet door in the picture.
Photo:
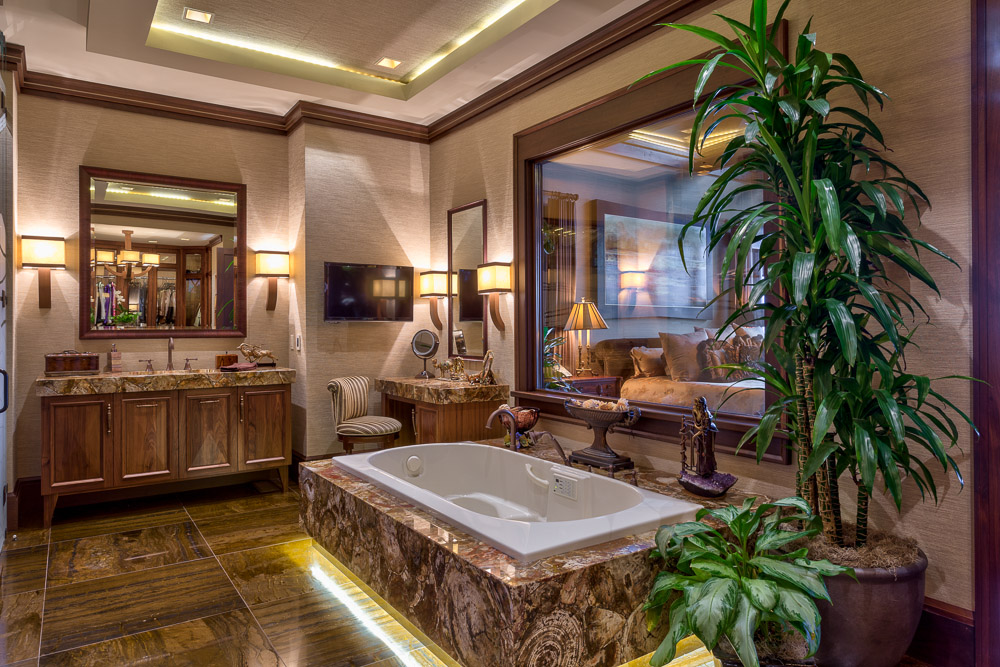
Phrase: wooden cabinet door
(146, 451)
(208, 432)
(426, 425)
(265, 427)
(77, 443)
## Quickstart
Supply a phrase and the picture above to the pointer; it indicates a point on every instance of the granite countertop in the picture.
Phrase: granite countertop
(481, 555)
(135, 381)
(441, 391)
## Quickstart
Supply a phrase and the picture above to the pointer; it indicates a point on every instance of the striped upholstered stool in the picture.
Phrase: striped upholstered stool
(350, 415)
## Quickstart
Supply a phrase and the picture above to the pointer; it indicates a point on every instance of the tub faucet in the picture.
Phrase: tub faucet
(170, 353)
(511, 427)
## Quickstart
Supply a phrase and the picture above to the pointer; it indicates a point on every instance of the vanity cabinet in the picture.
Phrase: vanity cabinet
(116, 440)
(433, 410)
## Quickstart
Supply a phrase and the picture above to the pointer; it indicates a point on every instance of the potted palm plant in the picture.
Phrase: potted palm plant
(832, 239)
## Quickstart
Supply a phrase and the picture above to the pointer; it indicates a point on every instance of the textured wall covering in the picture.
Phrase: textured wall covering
(54, 139)
(924, 66)
(365, 201)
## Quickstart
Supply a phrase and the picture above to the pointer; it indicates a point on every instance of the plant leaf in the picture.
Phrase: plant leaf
(803, 578)
(763, 593)
(843, 324)
(710, 609)
(802, 271)
(678, 630)
(741, 635)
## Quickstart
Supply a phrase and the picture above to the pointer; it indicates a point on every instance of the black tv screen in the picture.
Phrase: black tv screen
(368, 292)
(470, 301)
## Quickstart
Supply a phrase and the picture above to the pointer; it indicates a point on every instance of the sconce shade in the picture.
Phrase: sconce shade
(388, 289)
(435, 284)
(150, 259)
(274, 264)
(584, 316)
(43, 252)
(129, 257)
(633, 280)
(494, 277)
(104, 256)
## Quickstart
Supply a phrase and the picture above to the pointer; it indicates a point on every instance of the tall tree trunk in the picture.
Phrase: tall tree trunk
(807, 488)
(863, 498)
(837, 535)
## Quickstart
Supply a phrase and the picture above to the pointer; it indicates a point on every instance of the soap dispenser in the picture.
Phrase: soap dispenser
(114, 359)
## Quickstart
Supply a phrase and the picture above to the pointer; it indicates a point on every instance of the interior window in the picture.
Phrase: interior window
(623, 314)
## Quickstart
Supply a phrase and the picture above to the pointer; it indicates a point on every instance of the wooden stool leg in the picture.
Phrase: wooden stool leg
(48, 509)
(283, 474)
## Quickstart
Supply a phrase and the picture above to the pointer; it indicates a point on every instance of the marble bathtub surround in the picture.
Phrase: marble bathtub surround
(481, 606)
(441, 391)
(114, 383)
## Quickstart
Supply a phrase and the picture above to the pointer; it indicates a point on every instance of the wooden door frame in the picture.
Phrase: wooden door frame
(985, 284)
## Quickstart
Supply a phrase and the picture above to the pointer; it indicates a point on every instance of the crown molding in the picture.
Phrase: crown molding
(625, 30)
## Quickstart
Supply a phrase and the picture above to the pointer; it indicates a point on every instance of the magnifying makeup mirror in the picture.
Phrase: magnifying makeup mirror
(425, 345)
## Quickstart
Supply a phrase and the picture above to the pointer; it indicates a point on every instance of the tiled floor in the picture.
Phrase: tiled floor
(219, 577)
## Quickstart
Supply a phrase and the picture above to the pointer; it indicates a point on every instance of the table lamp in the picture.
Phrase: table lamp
(584, 316)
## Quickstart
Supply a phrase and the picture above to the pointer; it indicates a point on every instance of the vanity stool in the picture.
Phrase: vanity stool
(351, 418)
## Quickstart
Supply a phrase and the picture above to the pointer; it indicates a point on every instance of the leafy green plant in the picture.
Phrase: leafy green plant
(840, 265)
(733, 580)
(125, 318)
(551, 362)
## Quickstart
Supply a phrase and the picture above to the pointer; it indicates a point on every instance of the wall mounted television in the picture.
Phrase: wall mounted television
(367, 292)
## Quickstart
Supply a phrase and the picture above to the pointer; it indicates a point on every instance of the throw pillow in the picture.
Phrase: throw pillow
(649, 362)
(680, 351)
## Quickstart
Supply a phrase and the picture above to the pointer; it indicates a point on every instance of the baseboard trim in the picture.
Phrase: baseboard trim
(24, 502)
(945, 636)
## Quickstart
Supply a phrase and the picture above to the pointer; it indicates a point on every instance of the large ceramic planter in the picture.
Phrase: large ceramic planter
(872, 620)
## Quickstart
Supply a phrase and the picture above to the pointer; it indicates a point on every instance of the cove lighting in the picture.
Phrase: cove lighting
(198, 15)
(269, 50)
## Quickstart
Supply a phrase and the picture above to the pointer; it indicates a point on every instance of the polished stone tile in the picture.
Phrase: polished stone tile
(20, 626)
(112, 607)
(208, 508)
(320, 628)
(232, 638)
(248, 530)
(91, 520)
(23, 570)
(272, 573)
(422, 657)
(22, 539)
(86, 558)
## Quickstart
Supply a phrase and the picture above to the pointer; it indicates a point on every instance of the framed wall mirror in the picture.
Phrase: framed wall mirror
(161, 256)
(466, 306)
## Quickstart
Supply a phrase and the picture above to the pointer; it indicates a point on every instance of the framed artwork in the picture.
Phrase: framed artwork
(639, 268)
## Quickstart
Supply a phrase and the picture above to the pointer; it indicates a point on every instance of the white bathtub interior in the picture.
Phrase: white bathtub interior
(524, 506)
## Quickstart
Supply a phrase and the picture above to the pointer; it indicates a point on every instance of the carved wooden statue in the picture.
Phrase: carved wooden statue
(698, 434)
(253, 353)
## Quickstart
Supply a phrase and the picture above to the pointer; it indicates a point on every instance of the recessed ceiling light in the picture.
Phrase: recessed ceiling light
(152, 241)
(389, 62)
(198, 15)
(184, 239)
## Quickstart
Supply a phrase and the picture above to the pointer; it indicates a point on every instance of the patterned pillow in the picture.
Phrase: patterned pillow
(738, 350)
(648, 362)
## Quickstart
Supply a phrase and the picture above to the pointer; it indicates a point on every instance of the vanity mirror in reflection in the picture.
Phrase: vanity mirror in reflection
(466, 306)
(424, 345)
(161, 256)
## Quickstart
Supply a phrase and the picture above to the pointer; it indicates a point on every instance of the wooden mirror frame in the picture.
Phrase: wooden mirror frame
(451, 308)
(240, 296)
(620, 111)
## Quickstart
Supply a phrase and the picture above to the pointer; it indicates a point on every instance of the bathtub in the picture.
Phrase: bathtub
(525, 507)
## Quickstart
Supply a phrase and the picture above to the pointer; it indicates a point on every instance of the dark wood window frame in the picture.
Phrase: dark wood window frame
(239, 189)
(623, 110)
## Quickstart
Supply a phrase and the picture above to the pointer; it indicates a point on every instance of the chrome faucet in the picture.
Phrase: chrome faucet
(510, 427)
(170, 353)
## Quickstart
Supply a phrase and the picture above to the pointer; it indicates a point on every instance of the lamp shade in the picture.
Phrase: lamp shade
(633, 280)
(584, 316)
(494, 277)
(435, 284)
(150, 259)
(273, 263)
(129, 257)
(43, 252)
(104, 256)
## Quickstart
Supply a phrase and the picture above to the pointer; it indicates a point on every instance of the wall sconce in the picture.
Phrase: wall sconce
(434, 286)
(274, 264)
(43, 253)
(494, 279)
(634, 280)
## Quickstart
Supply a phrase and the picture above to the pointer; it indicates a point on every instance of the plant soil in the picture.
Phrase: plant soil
(882, 550)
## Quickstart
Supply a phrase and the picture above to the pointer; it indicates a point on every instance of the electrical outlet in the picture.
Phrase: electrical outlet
(298, 342)
(564, 486)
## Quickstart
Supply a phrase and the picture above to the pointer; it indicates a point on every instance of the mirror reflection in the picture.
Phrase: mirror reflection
(163, 257)
(466, 251)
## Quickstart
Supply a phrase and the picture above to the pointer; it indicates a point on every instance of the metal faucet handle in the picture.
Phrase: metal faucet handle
(149, 365)
(187, 363)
